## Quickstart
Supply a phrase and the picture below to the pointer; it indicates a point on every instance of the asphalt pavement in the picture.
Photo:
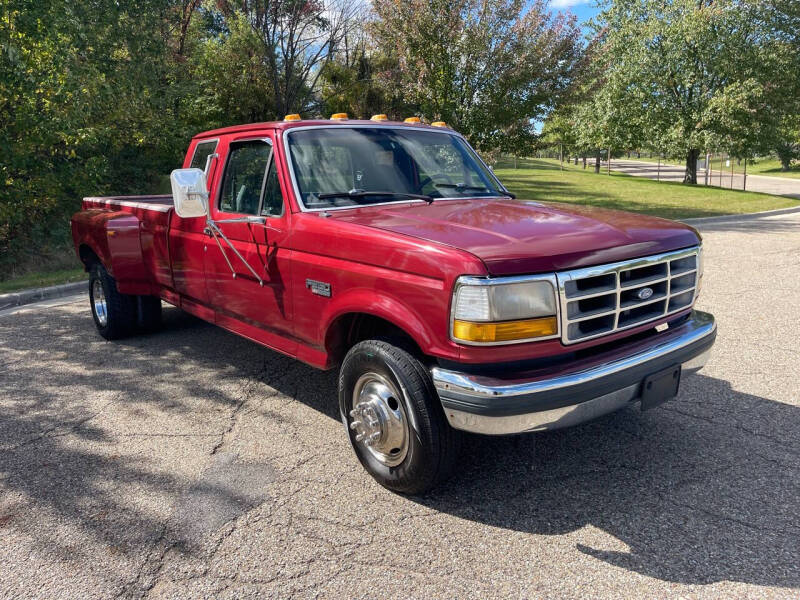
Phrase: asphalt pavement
(193, 463)
(778, 186)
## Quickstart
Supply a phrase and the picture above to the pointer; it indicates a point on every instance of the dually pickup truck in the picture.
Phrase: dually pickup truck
(390, 250)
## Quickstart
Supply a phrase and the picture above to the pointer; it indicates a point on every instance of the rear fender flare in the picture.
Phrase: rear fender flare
(114, 239)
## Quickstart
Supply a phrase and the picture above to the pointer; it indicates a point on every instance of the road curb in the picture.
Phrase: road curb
(38, 294)
(742, 217)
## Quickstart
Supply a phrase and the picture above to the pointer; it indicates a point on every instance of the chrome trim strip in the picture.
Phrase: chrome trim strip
(130, 203)
(700, 326)
(473, 280)
(296, 189)
(615, 269)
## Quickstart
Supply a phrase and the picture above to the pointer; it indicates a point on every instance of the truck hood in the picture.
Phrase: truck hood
(515, 237)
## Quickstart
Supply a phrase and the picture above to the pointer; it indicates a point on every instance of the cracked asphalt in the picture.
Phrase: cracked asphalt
(193, 463)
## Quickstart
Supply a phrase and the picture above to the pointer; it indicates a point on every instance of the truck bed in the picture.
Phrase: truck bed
(160, 203)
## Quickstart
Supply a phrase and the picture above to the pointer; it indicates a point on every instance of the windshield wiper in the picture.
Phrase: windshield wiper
(463, 186)
(363, 193)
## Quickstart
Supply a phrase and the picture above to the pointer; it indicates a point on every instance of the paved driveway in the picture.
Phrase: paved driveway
(778, 186)
(193, 463)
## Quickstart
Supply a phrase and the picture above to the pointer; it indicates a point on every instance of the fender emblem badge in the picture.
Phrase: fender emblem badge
(320, 288)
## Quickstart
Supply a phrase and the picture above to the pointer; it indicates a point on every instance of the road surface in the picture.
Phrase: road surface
(192, 463)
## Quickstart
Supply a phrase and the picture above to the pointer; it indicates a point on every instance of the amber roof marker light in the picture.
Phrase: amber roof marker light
(438, 124)
(292, 117)
(380, 117)
(339, 117)
(412, 120)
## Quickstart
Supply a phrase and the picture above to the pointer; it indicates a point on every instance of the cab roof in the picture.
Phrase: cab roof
(284, 125)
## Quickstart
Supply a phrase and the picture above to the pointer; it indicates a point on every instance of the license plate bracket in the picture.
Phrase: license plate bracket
(659, 387)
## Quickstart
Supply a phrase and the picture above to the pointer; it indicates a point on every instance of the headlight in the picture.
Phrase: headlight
(505, 310)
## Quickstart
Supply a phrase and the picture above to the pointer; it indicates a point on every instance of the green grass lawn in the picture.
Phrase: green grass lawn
(541, 179)
(43, 278)
(771, 167)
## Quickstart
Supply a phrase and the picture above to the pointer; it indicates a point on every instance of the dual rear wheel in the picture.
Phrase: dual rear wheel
(119, 315)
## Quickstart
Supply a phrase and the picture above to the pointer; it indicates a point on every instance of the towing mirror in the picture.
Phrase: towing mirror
(189, 192)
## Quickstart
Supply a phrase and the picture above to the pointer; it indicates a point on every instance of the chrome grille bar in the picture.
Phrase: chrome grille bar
(598, 301)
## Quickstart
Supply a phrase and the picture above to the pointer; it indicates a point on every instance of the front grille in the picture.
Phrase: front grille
(600, 300)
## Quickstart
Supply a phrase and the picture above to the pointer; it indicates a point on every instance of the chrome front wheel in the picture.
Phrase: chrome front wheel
(379, 420)
(394, 418)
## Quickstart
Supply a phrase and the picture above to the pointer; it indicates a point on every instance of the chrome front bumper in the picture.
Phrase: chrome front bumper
(542, 400)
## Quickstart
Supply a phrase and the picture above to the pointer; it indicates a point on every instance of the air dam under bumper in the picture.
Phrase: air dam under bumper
(544, 400)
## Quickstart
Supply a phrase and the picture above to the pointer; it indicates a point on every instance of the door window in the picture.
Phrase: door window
(273, 198)
(201, 153)
(245, 177)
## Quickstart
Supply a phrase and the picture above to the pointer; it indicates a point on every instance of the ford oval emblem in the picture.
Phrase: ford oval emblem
(644, 293)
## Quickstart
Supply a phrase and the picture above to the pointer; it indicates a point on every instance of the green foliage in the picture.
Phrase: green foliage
(787, 145)
(85, 99)
(486, 67)
(684, 76)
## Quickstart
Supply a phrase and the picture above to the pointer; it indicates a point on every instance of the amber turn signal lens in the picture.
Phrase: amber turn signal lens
(412, 120)
(338, 116)
(505, 331)
(380, 117)
(292, 117)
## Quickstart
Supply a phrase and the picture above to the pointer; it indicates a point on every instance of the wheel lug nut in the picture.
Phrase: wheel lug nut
(353, 413)
(355, 424)
(359, 437)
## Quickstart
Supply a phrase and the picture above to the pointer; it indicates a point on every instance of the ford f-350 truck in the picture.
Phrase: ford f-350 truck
(391, 251)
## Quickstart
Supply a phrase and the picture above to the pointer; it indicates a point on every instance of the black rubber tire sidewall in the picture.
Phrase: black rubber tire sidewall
(120, 308)
(431, 441)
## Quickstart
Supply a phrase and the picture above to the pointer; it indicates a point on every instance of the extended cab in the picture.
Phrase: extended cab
(392, 251)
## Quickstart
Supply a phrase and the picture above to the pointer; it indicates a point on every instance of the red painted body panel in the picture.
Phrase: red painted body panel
(519, 237)
(397, 262)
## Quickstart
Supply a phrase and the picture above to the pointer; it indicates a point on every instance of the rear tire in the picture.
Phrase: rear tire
(114, 314)
(394, 418)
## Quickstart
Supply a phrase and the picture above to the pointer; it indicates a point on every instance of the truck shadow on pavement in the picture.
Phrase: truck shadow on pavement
(703, 489)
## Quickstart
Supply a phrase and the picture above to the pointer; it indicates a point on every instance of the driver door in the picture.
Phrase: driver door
(250, 187)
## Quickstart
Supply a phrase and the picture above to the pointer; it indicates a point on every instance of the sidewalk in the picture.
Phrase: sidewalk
(777, 186)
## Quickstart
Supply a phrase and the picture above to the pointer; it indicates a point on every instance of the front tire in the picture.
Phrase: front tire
(114, 314)
(394, 418)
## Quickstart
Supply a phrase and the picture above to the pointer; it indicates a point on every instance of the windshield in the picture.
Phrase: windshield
(343, 166)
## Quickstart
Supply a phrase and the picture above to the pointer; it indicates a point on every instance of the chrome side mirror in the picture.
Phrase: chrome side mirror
(189, 192)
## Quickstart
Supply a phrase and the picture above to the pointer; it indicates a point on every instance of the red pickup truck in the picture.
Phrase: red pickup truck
(392, 251)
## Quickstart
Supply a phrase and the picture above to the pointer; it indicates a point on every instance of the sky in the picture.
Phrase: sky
(583, 9)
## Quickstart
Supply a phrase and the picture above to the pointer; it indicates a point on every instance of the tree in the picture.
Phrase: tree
(298, 39)
(85, 107)
(695, 72)
(788, 144)
(485, 67)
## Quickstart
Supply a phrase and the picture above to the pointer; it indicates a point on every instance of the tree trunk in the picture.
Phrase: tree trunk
(691, 166)
(584, 162)
(597, 162)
